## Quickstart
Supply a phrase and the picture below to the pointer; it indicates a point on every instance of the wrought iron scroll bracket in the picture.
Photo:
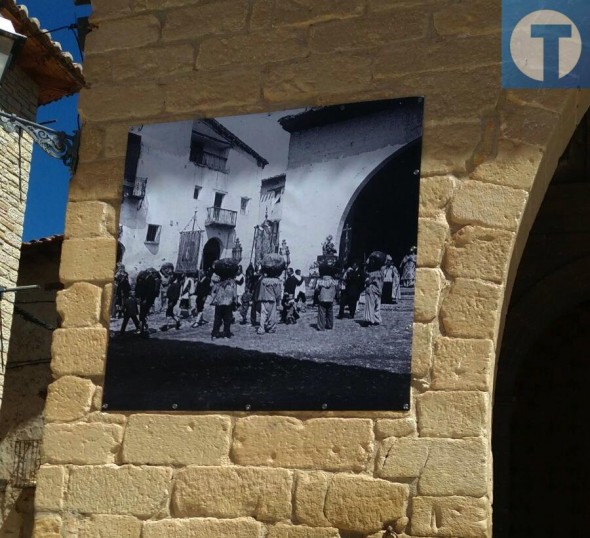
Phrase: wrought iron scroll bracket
(56, 144)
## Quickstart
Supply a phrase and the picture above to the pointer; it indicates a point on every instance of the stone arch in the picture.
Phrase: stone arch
(389, 165)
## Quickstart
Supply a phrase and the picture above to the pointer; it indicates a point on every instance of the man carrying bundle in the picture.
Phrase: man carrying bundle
(225, 296)
(269, 292)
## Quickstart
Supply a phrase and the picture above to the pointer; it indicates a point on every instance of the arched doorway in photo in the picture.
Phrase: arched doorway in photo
(384, 214)
(211, 252)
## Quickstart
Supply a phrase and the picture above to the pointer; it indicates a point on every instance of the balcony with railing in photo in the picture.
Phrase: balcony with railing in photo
(221, 217)
(135, 188)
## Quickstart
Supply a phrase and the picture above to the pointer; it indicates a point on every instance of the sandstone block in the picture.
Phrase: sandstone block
(306, 12)
(478, 17)
(227, 492)
(50, 489)
(100, 525)
(125, 33)
(401, 427)
(310, 494)
(88, 259)
(443, 476)
(426, 55)
(331, 444)
(432, 235)
(68, 398)
(402, 458)
(79, 351)
(106, 418)
(489, 205)
(90, 219)
(98, 180)
(177, 440)
(79, 305)
(127, 490)
(318, 74)
(515, 165)
(104, 103)
(422, 349)
(429, 285)
(254, 48)
(261, 14)
(462, 364)
(153, 63)
(105, 304)
(216, 88)
(115, 144)
(363, 504)
(448, 148)
(455, 516)
(143, 5)
(435, 193)
(477, 252)
(91, 142)
(369, 31)
(106, 9)
(241, 527)
(452, 414)
(81, 443)
(297, 531)
(531, 125)
(434, 463)
(195, 21)
(471, 309)
(47, 526)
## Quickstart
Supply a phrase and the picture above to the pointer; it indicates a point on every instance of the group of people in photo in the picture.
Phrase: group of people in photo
(263, 296)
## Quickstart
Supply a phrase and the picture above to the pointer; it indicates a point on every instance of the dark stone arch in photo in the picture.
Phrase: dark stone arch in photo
(211, 253)
(383, 215)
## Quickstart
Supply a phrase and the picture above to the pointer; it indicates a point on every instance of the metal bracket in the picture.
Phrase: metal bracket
(56, 144)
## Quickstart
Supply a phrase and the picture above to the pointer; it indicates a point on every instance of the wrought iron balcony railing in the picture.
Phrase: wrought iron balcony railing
(221, 217)
(135, 188)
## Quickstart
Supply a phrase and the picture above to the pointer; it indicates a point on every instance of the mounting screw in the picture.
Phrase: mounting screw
(416, 172)
(248, 407)
(324, 406)
(406, 406)
(105, 406)
(174, 406)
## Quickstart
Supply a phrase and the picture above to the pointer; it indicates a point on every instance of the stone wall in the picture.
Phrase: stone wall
(488, 156)
(18, 95)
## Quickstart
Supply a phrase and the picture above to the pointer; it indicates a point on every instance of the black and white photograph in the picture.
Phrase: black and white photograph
(268, 261)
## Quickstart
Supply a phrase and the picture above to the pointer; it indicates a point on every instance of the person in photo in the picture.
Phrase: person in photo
(224, 298)
(130, 312)
(202, 291)
(326, 288)
(373, 289)
(173, 295)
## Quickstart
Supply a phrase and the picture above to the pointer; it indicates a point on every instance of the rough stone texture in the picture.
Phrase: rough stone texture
(228, 492)
(90, 219)
(478, 252)
(306, 12)
(488, 205)
(130, 32)
(105, 304)
(47, 526)
(79, 305)
(477, 17)
(401, 427)
(471, 308)
(462, 364)
(153, 63)
(99, 526)
(49, 493)
(310, 494)
(452, 414)
(431, 241)
(127, 490)
(98, 180)
(450, 516)
(291, 531)
(331, 444)
(81, 444)
(422, 349)
(363, 504)
(241, 527)
(87, 259)
(177, 440)
(429, 284)
(68, 398)
(434, 463)
(435, 194)
(79, 351)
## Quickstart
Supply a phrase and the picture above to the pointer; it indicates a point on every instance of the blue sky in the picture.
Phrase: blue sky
(49, 180)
